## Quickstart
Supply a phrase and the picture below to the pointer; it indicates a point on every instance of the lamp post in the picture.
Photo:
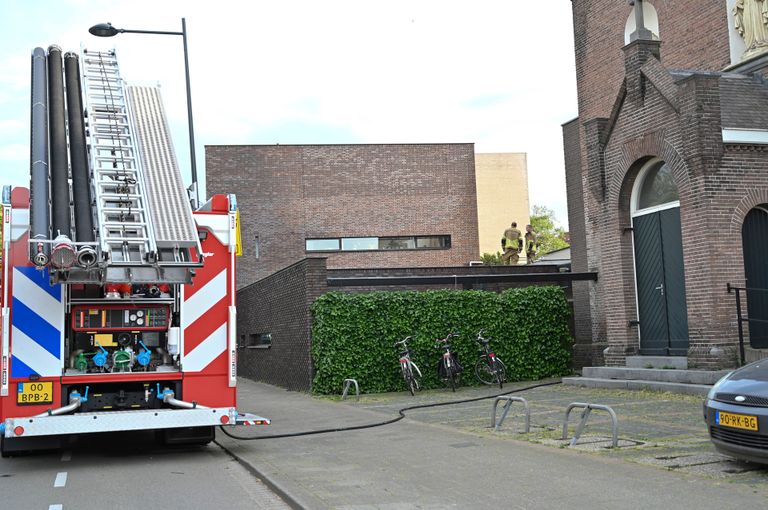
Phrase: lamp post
(107, 30)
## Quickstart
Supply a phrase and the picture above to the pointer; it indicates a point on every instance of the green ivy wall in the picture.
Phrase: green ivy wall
(353, 334)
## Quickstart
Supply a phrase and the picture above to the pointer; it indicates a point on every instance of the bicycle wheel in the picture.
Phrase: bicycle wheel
(455, 379)
(415, 377)
(408, 377)
(484, 371)
(449, 375)
(409, 380)
(501, 372)
(413, 386)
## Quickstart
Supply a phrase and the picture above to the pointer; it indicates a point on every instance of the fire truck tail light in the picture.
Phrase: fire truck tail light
(224, 419)
(19, 430)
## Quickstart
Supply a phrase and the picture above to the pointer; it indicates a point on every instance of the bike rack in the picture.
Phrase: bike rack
(507, 405)
(347, 384)
(584, 415)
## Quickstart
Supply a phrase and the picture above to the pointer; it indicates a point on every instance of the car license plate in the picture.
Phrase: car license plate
(30, 393)
(737, 421)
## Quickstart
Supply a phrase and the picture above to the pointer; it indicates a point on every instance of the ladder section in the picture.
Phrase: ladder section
(174, 226)
(124, 221)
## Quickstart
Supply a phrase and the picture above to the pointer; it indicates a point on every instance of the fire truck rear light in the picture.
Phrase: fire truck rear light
(224, 419)
(18, 430)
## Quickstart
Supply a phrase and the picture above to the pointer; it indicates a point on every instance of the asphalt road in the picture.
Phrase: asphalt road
(130, 471)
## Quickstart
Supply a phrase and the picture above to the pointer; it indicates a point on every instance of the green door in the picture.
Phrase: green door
(659, 269)
(754, 239)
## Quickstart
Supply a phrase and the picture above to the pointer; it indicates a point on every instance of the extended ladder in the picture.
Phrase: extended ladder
(124, 222)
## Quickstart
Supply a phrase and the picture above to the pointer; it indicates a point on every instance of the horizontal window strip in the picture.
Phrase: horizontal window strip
(390, 243)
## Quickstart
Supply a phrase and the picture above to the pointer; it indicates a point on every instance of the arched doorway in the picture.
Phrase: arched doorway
(754, 240)
(659, 268)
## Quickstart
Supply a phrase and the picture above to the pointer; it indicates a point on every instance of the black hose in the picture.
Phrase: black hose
(401, 412)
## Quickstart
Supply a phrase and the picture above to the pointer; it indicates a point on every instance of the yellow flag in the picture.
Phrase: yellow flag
(238, 240)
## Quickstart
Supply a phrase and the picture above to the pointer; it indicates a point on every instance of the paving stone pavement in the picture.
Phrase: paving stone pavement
(450, 456)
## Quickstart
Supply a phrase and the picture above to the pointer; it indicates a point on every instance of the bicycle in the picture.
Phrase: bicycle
(448, 368)
(411, 372)
(489, 368)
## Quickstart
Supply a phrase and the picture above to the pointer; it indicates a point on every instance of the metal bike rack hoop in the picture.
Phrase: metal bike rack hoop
(347, 384)
(507, 405)
(584, 415)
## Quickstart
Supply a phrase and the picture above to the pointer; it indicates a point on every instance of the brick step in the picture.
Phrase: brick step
(634, 384)
(707, 377)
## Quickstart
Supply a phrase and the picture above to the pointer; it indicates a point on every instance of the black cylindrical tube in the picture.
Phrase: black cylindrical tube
(40, 223)
(60, 214)
(78, 155)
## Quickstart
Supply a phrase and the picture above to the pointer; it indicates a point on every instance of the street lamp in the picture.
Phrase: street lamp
(107, 30)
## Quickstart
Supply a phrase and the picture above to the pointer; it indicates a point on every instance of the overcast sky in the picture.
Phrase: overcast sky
(498, 73)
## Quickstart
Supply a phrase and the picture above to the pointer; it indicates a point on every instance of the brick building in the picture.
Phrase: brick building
(364, 205)
(667, 179)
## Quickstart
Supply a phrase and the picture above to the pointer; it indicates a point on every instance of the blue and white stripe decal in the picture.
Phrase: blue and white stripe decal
(37, 324)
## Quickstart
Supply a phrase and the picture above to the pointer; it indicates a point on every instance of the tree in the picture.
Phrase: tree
(550, 237)
(491, 259)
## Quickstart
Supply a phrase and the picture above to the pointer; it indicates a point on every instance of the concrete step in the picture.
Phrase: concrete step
(707, 377)
(676, 362)
(634, 384)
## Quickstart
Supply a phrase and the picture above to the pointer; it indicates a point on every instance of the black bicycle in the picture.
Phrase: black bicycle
(489, 368)
(411, 372)
(448, 368)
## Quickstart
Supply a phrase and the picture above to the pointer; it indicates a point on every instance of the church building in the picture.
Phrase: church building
(667, 178)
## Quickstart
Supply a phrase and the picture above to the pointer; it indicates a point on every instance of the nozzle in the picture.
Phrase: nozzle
(86, 256)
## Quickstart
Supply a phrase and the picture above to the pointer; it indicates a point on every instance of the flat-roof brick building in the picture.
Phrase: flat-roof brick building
(359, 205)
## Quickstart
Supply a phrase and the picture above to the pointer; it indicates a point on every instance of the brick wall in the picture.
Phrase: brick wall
(630, 109)
(288, 193)
(694, 35)
(585, 353)
(279, 304)
(681, 124)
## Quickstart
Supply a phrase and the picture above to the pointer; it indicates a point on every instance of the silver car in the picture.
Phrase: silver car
(736, 413)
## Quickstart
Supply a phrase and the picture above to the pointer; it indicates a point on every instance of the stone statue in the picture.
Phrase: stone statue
(752, 24)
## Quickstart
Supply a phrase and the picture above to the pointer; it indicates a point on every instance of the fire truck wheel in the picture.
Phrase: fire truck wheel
(188, 436)
(6, 449)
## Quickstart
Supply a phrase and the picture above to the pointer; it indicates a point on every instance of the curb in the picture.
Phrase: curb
(273, 485)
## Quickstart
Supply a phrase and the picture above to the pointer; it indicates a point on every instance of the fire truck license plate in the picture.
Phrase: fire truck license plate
(30, 393)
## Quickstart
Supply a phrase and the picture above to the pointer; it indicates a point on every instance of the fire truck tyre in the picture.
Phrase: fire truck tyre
(10, 449)
(189, 436)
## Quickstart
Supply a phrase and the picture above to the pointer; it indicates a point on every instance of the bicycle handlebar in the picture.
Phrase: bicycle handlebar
(403, 341)
(480, 338)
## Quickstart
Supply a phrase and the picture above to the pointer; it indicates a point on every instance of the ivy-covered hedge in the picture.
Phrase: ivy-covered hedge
(353, 334)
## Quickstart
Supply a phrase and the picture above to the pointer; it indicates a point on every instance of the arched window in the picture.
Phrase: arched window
(655, 188)
(650, 19)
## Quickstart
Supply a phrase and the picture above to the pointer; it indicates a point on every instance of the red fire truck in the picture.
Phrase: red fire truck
(117, 298)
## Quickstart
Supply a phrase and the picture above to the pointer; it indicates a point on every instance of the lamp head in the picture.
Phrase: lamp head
(104, 30)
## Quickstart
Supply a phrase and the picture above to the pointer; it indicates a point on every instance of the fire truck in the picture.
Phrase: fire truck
(117, 295)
